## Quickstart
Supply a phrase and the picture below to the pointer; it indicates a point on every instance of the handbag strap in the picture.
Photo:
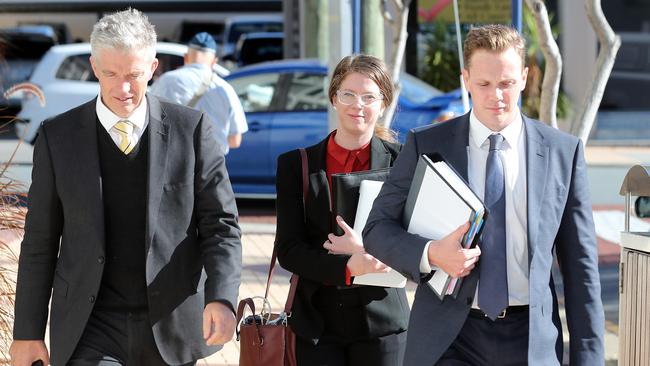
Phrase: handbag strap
(294, 277)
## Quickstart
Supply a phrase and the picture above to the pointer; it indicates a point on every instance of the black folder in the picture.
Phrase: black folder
(345, 194)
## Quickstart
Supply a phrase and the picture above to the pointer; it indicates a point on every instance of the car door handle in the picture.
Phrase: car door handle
(254, 126)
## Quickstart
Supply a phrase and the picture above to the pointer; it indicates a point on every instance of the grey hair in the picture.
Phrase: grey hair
(127, 30)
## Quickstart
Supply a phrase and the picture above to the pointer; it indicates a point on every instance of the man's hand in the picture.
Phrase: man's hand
(24, 353)
(449, 255)
(348, 243)
(362, 263)
(218, 323)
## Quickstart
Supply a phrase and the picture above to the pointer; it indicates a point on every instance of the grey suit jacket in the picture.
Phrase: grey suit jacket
(559, 220)
(192, 237)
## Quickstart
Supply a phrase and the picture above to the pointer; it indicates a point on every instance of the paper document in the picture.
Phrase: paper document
(368, 191)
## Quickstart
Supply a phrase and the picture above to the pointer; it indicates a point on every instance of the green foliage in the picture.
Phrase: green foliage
(441, 65)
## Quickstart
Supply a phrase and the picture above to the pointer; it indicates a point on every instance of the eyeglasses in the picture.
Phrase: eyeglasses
(347, 97)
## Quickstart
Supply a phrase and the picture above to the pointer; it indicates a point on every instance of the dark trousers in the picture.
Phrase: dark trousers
(116, 339)
(483, 342)
(383, 351)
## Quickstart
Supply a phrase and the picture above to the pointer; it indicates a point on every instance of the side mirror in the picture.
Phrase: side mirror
(642, 207)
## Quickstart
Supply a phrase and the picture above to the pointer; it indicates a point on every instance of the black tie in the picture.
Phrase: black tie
(493, 281)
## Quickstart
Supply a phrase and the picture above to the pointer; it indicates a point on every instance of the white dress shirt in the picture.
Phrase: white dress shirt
(108, 119)
(514, 163)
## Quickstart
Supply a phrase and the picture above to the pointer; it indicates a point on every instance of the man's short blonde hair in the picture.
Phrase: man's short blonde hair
(493, 38)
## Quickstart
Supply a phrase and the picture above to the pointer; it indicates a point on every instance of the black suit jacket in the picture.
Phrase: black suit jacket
(299, 242)
(192, 237)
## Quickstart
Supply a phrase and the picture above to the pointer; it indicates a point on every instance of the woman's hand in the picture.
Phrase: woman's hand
(348, 243)
(362, 263)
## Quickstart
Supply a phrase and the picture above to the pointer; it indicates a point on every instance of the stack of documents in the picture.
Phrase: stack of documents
(367, 193)
(439, 201)
(354, 194)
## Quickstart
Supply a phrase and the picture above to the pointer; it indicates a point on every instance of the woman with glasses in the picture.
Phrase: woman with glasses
(338, 323)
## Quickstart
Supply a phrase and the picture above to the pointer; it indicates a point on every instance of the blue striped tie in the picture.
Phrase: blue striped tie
(493, 280)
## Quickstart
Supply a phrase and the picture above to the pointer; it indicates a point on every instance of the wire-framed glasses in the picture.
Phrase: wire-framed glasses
(347, 97)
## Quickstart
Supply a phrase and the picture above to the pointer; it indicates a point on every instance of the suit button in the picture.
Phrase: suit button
(91, 299)
(100, 259)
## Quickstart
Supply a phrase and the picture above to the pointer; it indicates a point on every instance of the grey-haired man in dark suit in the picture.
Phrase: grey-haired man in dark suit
(132, 223)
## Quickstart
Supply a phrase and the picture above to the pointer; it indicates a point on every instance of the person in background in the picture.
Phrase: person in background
(196, 85)
(336, 323)
(132, 224)
(533, 180)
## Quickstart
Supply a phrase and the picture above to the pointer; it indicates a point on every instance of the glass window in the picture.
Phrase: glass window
(76, 68)
(307, 93)
(237, 29)
(255, 91)
(254, 50)
(166, 62)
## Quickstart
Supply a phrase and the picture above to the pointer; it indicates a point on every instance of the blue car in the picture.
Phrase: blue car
(286, 108)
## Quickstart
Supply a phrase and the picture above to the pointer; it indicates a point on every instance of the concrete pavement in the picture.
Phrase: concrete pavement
(257, 249)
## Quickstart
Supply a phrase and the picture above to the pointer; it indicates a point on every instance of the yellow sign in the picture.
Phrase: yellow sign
(470, 11)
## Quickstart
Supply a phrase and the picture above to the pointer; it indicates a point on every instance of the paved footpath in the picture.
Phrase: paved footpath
(257, 248)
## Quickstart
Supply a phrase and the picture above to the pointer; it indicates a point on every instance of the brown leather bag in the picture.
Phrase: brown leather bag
(266, 339)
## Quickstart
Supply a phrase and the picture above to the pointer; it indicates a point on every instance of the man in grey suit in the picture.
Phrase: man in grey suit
(533, 180)
(132, 223)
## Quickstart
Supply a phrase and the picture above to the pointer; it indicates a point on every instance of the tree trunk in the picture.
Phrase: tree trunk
(553, 68)
(398, 26)
(609, 45)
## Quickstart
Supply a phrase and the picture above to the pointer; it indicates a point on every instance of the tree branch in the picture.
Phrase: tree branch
(400, 34)
(609, 45)
(553, 68)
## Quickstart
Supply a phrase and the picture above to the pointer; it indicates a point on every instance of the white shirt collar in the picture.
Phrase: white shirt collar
(479, 133)
(107, 118)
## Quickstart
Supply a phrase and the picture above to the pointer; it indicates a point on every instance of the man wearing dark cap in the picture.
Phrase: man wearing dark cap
(188, 84)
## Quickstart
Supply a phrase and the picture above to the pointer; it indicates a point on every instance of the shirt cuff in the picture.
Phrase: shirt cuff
(425, 266)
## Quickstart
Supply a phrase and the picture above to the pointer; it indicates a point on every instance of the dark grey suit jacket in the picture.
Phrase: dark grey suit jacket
(559, 220)
(192, 237)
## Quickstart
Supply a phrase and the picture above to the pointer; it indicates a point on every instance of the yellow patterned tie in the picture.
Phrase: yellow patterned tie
(125, 129)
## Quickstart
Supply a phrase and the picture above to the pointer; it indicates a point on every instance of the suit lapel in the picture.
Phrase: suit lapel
(85, 156)
(537, 155)
(159, 136)
(379, 154)
(454, 149)
(319, 192)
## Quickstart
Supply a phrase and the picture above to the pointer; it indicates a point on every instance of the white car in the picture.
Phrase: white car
(66, 79)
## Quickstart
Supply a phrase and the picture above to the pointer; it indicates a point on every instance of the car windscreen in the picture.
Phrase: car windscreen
(238, 29)
(415, 90)
(262, 49)
(24, 47)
